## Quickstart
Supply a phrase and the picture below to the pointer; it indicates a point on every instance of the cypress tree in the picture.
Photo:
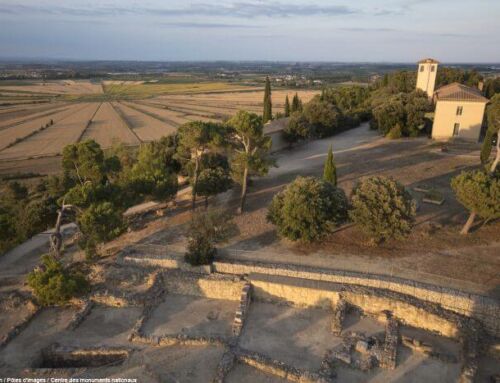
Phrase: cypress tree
(287, 106)
(487, 146)
(268, 106)
(295, 103)
(330, 171)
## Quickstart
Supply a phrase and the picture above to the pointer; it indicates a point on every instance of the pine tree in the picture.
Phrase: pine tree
(330, 171)
(287, 106)
(268, 106)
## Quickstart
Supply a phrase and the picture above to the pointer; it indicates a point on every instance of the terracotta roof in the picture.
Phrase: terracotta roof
(459, 92)
(428, 61)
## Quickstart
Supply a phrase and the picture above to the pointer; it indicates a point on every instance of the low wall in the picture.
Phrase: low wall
(303, 292)
(485, 309)
(209, 286)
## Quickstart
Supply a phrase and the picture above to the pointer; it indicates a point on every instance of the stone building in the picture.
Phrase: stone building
(426, 76)
(459, 112)
(459, 108)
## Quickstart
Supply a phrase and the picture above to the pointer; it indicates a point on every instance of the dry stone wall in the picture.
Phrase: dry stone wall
(241, 312)
(210, 286)
(485, 309)
(15, 330)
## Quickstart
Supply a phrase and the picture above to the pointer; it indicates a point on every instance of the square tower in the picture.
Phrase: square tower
(426, 76)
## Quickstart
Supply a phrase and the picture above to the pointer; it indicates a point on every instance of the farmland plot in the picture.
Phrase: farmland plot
(14, 121)
(107, 127)
(58, 87)
(207, 111)
(159, 112)
(52, 140)
(146, 127)
(251, 101)
(10, 133)
(13, 112)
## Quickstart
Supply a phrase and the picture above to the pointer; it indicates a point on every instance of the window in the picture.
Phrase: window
(456, 128)
(421, 68)
(459, 110)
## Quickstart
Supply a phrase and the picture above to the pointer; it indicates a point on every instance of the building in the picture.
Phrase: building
(459, 108)
(459, 112)
(426, 76)
(274, 129)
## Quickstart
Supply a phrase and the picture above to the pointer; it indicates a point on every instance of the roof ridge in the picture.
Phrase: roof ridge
(460, 92)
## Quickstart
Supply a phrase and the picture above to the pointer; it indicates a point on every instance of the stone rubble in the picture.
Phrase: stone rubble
(241, 312)
(80, 315)
(339, 313)
(390, 349)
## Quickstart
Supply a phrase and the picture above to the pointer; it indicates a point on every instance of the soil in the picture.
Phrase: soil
(193, 316)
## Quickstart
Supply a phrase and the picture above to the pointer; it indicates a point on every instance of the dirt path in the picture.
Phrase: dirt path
(434, 252)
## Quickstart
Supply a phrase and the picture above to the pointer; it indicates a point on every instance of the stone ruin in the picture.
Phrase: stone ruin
(356, 350)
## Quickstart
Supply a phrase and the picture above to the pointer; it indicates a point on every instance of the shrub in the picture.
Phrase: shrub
(307, 209)
(52, 284)
(383, 208)
(205, 230)
(297, 128)
(395, 132)
(322, 117)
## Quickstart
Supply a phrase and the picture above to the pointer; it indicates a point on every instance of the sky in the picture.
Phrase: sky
(275, 30)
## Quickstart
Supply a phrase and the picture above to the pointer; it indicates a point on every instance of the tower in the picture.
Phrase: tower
(426, 76)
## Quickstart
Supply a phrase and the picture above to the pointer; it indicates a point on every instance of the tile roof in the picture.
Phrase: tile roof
(459, 92)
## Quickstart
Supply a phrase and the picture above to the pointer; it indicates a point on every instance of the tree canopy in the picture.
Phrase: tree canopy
(250, 149)
(307, 209)
(383, 208)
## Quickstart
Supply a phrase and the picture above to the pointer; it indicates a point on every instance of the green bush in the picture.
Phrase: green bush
(204, 232)
(52, 284)
(322, 117)
(200, 251)
(395, 132)
(383, 208)
(307, 209)
(297, 128)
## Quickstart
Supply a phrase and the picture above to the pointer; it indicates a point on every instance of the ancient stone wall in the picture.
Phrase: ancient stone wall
(209, 286)
(409, 310)
(482, 308)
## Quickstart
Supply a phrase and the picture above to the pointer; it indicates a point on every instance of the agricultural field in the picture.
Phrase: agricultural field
(38, 119)
(55, 87)
(52, 140)
(108, 127)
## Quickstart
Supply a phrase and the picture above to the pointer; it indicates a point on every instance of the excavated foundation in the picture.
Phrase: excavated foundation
(56, 356)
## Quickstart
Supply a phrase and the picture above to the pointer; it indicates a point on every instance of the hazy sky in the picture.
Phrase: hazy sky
(314, 30)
